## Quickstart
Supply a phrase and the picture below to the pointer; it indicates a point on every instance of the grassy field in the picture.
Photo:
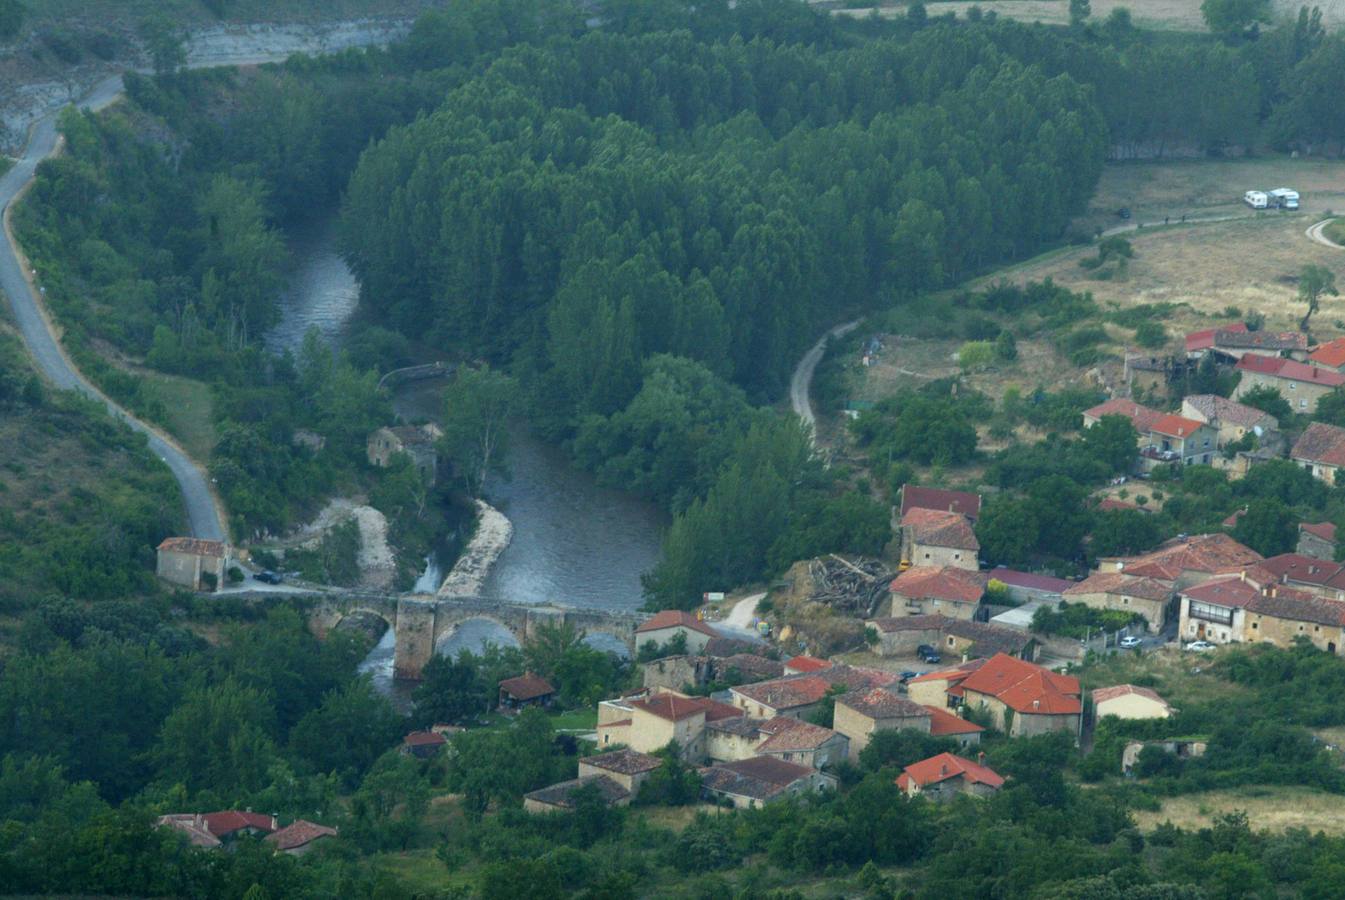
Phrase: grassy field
(1171, 672)
(1335, 231)
(1273, 809)
(1249, 262)
(1159, 15)
(190, 408)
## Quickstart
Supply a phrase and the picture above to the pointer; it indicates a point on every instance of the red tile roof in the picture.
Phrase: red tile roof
(1331, 354)
(944, 766)
(1176, 426)
(1029, 580)
(1324, 530)
(916, 497)
(623, 762)
(193, 545)
(941, 529)
(1298, 606)
(882, 704)
(675, 707)
(1321, 443)
(789, 692)
(1121, 584)
(1230, 412)
(672, 618)
(942, 723)
(424, 739)
(801, 664)
(957, 674)
(298, 833)
(1276, 367)
(1295, 567)
(1209, 553)
(1103, 694)
(941, 583)
(1140, 416)
(1107, 504)
(1242, 339)
(788, 735)
(1229, 592)
(1025, 687)
(1204, 339)
(227, 822)
(527, 687)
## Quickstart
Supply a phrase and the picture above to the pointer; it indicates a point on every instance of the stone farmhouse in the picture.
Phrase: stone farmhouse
(943, 777)
(193, 563)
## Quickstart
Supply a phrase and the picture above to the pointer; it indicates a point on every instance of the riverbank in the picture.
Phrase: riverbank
(494, 532)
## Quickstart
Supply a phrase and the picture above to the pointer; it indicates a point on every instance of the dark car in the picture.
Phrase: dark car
(269, 577)
(908, 675)
(925, 649)
(1123, 212)
(928, 654)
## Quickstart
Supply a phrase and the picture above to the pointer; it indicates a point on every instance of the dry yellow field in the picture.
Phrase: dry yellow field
(1270, 809)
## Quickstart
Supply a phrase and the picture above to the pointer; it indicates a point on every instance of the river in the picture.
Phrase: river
(575, 543)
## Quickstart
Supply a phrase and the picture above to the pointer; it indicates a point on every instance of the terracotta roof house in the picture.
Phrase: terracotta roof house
(193, 826)
(1299, 383)
(1129, 701)
(1294, 569)
(942, 687)
(560, 797)
(943, 724)
(1024, 699)
(1281, 616)
(423, 744)
(802, 742)
(660, 718)
(1330, 355)
(192, 562)
(858, 716)
(916, 497)
(748, 666)
(299, 836)
(1237, 343)
(942, 777)
(1186, 561)
(626, 767)
(1217, 611)
(232, 822)
(1142, 417)
(760, 780)
(524, 691)
(1198, 342)
(1321, 450)
(1317, 539)
(663, 626)
(931, 537)
(1175, 439)
(947, 590)
(792, 695)
(1121, 592)
(1231, 419)
(804, 665)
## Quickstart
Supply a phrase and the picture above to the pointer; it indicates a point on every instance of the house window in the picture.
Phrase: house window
(1300, 628)
(1254, 626)
(926, 556)
(1316, 628)
(1125, 601)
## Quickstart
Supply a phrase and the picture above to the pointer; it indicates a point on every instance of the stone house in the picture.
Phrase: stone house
(423, 744)
(728, 740)
(1121, 592)
(1317, 539)
(193, 563)
(1299, 383)
(416, 441)
(676, 672)
(661, 718)
(943, 777)
(1177, 439)
(1129, 701)
(626, 767)
(943, 724)
(524, 691)
(560, 797)
(1024, 699)
(1185, 561)
(964, 639)
(1232, 420)
(859, 716)
(942, 687)
(801, 742)
(1281, 616)
(946, 590)
(1330, 355)
(1237, 344)
(1213, 610)
(1141, 417)
(805, 665)
(1189, 748)
(1199, 343)
(216, 829)
(963, 502)
(1321, 450)
(663, 626)
(935, 538)
(760, 780)
(793, 696)
(299, 837)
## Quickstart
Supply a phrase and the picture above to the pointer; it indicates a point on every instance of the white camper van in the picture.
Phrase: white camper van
(1284, 198)
(1256, 199)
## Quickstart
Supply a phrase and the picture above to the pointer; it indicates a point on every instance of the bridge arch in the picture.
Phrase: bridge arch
(472, 633)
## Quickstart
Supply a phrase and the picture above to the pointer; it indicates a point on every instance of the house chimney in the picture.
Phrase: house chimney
(1036, 704)
(943, 768)
(980, 758)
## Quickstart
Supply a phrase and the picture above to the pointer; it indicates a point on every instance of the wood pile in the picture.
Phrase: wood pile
(852, 589)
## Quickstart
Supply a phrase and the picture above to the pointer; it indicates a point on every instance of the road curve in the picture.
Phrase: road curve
(802, 382)
(1314, 234)
(205, 515)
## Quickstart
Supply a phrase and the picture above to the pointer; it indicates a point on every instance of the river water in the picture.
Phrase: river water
(575, 543)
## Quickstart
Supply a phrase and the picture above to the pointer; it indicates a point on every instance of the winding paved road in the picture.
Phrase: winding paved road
(802, 382)
(205, 515)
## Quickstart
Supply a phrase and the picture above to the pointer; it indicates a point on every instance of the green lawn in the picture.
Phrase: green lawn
(1335, 231)
(190, 408)
(575, 720)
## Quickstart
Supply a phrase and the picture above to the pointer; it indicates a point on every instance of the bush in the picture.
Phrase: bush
(1151, 335)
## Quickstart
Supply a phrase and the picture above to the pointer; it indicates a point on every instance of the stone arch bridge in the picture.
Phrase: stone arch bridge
(421, 621)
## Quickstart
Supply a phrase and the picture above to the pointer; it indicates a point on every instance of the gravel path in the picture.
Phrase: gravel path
(1315, 235)
(802, 382)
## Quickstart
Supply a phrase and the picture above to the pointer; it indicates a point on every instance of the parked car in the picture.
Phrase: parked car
(1123, 212)
(929, 654)
(1130, 642)
(1200, 646)
(269, 577)
(908, 675)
